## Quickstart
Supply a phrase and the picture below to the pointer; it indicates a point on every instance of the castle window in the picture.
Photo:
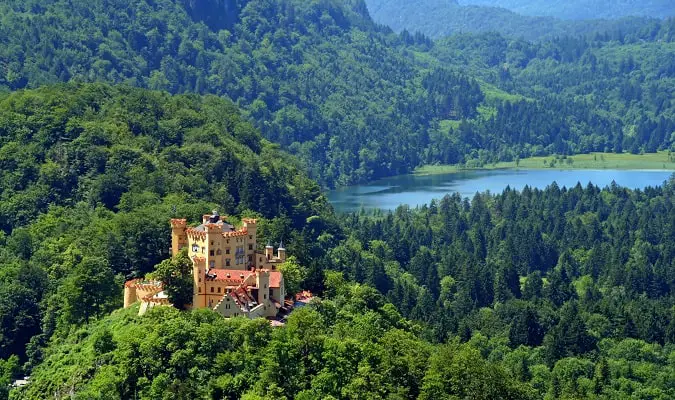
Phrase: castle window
(250, 258)
(250, 237)
(218, 290)
(250, 247)
(211, 252)
(195, 248)
(219, 252)
(212, 264)
(203, 250)
(265, 286)
(227, 262)
(265, 296)
(200, 289)
(227, 251)
(211, 289)
(228, 241)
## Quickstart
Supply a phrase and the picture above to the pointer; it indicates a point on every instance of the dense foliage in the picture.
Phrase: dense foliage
(580, 280)
(617, 85)
(355, 346)
(299, 68)
(91, 174)
(556, 293)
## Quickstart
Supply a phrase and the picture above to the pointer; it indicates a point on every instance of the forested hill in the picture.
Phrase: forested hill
(626, 74)
(583, 9)
(556, 293)
(355, 345)
(89, 176)
(298, 66)
(351, 99)
(438, 19)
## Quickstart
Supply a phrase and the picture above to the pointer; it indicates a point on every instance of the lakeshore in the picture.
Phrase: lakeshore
(662, 160)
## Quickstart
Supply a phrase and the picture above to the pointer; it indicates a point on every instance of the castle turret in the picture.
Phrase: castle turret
(214, 234)
(250, 240)
(281, 251)
(130, 293)
(263, 283)
(178, 235)
(250, 225)
(199, 278)
(269, 251)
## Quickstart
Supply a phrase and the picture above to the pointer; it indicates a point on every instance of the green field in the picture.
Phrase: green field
(660, 160)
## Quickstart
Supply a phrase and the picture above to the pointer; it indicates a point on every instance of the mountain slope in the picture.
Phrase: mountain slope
(352, 100)
(90, 174)
(296, 65)
(583, 9)
(438, 19)
(336, 349)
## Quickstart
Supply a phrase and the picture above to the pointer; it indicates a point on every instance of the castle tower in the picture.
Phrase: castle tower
(250, 226)
(178, 235)
(269, 252)
(214, 234)
(130, 293)
(199, 278)
(281, 251)
(263, 283)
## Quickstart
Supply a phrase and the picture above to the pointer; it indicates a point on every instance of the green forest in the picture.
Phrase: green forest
(297, 69)
(117, 115)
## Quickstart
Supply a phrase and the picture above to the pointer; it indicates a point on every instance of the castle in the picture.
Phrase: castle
(229, 275)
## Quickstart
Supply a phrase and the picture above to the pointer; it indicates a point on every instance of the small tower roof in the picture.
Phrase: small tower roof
(269, 246)
(215, 217)
(281, 245)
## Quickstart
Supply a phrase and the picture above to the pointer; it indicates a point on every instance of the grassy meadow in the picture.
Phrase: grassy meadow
(660, 160)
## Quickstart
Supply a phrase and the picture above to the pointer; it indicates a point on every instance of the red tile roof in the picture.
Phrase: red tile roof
(234, 275)
(275, 279)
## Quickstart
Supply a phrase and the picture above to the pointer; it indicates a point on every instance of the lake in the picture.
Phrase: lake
(414, 190)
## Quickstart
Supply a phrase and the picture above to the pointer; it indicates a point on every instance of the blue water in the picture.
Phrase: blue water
(414, 190)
